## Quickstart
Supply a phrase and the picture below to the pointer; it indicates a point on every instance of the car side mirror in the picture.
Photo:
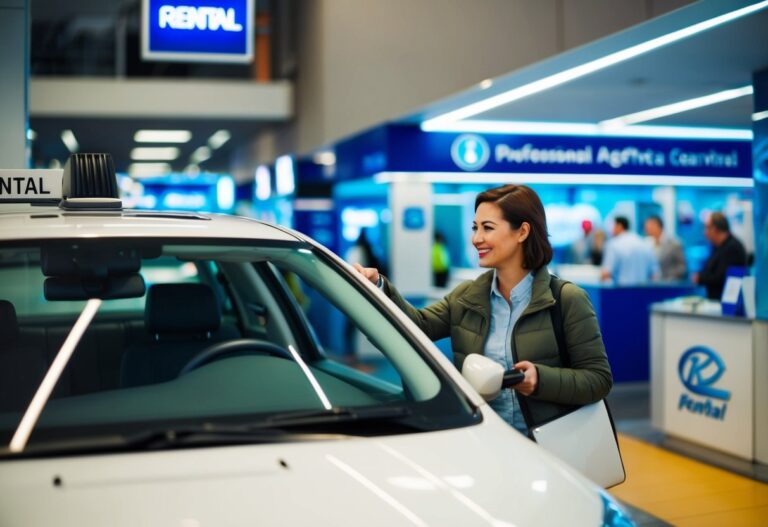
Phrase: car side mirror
(485, 375)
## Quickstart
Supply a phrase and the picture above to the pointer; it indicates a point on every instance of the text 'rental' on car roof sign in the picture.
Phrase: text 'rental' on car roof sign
(198, 30)
(30, 185)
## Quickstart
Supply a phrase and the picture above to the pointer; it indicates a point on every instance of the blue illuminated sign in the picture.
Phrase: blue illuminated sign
(450, 152)
(206, 192)
(407, 149)
(699, 369)
(470, 152)
(198, 30)
(413, 218)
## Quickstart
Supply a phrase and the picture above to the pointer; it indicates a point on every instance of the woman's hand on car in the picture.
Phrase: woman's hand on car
(528, 385)
(371, 273)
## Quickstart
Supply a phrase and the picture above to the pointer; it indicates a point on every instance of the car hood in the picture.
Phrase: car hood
(481, 475)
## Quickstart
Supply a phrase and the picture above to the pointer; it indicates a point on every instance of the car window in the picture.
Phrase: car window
(340, 336)
(20, 274)
(225, 333)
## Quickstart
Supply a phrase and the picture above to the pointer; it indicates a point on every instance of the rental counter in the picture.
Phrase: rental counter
(622, 312)
(709, 379)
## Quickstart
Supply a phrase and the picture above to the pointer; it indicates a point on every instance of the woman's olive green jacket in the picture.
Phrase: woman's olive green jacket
(465, 314)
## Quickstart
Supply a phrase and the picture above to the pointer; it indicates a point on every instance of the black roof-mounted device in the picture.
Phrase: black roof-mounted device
(89, 183)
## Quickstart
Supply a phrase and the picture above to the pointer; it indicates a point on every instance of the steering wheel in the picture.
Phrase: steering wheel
(234, 347)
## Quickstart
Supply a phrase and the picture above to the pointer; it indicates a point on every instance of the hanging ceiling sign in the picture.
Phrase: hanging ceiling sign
(453, 152)
(402, 149)
(198, 30)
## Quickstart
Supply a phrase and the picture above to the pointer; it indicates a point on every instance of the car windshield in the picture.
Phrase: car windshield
(198, 334)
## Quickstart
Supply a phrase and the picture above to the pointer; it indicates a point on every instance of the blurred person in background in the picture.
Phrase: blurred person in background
(669, 250)
(598, 247)
(588, 250)
(441, 261)
(581, 248)
(505, 314)
(362, 252)
(628, 260)
(727, 252)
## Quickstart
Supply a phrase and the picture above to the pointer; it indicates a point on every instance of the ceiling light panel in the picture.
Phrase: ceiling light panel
(139, 170)
(677, 107)
(590, 130)
(218, 139)
(202, 153)
(162, 136)
(145, 153)
(69, 140)
(587, 68)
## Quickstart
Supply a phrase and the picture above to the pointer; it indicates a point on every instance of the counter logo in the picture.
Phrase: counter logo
(699, 369)
(470, 152)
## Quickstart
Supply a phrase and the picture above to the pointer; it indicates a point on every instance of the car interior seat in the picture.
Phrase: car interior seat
(21, 368)
(181, 320)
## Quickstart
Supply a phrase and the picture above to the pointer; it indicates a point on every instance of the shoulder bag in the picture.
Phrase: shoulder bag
(584, 437)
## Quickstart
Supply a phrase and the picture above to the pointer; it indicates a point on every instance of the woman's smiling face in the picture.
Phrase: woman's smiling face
(497, 242)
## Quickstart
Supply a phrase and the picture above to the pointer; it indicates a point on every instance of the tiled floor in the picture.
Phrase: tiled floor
(685, 492)
(664, 488)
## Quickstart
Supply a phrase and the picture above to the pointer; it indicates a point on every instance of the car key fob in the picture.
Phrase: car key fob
(512, 377)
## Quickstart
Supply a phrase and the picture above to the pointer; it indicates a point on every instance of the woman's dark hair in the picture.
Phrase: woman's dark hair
(519, 204)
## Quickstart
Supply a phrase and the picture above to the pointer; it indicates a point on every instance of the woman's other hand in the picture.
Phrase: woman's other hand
(531, 381)
(371, 273)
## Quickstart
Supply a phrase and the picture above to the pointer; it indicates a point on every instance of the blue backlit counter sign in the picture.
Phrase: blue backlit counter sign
(699, 370)
(395, 150)
(198, 30)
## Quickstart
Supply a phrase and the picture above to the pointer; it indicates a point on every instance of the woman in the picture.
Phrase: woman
(505, 313)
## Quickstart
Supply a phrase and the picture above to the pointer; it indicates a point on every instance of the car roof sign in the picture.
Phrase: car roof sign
(30, 185)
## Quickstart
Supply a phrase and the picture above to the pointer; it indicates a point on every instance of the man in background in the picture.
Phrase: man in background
(727, 252)
(628, 260)
(669, 250)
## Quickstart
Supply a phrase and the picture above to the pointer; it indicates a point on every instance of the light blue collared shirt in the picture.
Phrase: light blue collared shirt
(500, 346)
(630, 260)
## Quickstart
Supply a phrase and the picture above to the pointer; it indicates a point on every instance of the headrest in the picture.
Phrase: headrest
(9, 325)
(181, 308)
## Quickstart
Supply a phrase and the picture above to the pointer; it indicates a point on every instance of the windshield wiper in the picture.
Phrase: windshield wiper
(313, 425)
(339, 414)
(206, 434)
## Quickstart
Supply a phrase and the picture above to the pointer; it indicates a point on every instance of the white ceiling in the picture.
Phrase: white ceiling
(718, 59)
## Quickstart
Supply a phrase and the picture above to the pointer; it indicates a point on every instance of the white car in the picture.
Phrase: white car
(182, 369)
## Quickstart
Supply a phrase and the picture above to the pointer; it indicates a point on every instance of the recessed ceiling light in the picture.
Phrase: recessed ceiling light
(677, 107)
(139, 170)
(202, 153)
(218, 139)
(326, 158)
(589, 67)
(69, 140)
(165, 153)
(162, 136)
(263, 188)
(759, 116)
(31, 134)
(285, 179)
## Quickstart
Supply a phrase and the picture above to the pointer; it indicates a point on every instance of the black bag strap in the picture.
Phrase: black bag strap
(556, 313)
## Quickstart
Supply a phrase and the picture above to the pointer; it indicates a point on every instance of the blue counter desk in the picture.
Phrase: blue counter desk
(623, 313)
